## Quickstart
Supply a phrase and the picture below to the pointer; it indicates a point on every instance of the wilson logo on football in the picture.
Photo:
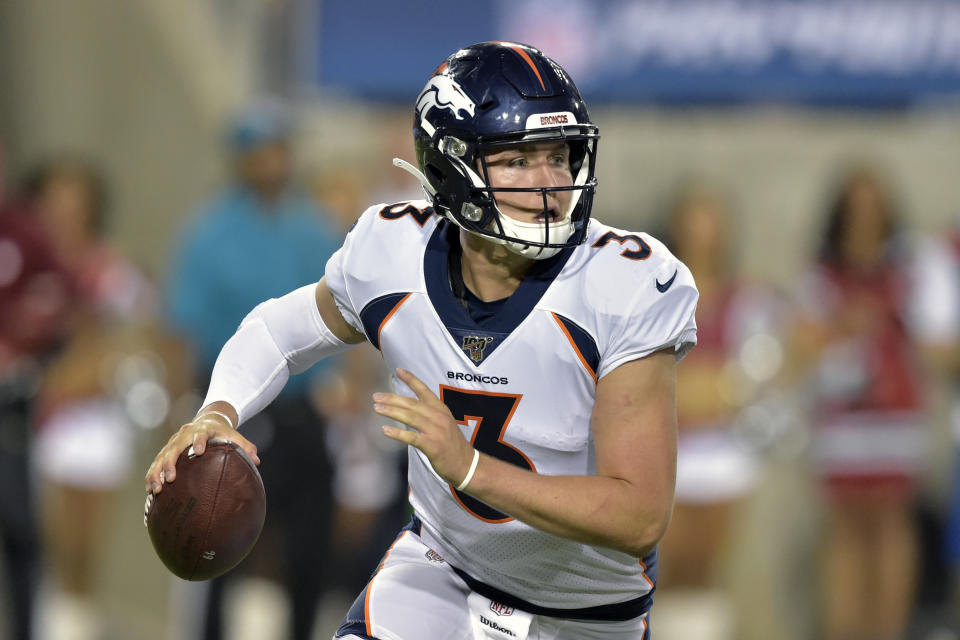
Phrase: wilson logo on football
(501, 609)
(442, 92)
(474, 346)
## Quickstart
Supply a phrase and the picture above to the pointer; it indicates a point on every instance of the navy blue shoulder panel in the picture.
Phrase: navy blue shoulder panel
(376, 311)
(584, 342)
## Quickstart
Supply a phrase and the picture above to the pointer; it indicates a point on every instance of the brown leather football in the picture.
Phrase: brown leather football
(208, 519)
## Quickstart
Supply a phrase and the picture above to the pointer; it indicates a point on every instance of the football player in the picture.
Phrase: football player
(532, 353)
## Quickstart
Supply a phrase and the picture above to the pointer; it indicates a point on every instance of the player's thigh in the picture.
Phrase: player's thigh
(556, 629)
(413, 596)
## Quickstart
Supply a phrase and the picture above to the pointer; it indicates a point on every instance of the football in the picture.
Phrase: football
(208, 519)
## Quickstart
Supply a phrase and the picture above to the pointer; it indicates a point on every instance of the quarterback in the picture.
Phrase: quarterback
(533, 355)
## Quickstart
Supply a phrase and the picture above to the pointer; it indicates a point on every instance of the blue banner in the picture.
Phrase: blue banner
(833, 52)
(386, 50)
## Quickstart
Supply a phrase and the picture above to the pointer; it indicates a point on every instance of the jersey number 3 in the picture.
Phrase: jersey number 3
(492, 413)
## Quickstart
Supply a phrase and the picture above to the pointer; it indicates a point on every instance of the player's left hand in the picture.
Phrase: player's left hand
(435, 432)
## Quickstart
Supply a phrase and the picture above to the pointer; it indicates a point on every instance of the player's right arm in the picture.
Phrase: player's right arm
(280, 337)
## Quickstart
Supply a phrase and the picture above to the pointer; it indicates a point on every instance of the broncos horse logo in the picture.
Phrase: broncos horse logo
(443, 92)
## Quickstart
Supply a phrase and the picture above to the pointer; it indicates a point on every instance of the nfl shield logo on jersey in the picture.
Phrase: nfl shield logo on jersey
(474, 346)
(500, 609)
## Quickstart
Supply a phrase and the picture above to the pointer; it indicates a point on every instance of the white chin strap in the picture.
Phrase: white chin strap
(560, 231)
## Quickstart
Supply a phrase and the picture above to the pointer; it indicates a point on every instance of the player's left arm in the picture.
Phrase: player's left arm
(626, 506)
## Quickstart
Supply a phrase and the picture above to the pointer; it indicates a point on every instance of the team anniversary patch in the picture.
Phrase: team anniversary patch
(474, 346)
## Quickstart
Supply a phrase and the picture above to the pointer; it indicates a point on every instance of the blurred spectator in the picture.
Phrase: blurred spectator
(35, 293)
(936, 321)
(867, 409)
(109, 378)
(391, 184)
(341, 191)
(715, 468)
(258, 238)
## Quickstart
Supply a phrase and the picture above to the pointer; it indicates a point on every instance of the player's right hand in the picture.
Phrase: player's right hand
(195, 433)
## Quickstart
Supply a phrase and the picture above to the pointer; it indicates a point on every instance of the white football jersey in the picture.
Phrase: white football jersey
(522, 385)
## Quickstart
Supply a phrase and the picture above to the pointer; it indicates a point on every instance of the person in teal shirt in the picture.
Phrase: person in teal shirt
(258, 238)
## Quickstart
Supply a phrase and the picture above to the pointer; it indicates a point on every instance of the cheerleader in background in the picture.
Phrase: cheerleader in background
(716, 471)
(868, 413)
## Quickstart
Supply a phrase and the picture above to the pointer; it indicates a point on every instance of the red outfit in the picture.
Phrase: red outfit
(869, 402)
(35, 290)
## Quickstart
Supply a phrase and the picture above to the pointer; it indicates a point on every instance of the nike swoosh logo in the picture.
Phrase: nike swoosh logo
(662, 288)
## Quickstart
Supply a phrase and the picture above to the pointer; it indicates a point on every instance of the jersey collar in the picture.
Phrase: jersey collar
(464, 330)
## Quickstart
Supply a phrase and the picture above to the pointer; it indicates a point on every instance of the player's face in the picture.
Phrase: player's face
(544, 164)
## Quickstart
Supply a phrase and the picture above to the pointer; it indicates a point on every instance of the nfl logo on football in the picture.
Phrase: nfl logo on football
(501, 609)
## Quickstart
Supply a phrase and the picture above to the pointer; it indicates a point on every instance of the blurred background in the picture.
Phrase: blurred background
(164, 166)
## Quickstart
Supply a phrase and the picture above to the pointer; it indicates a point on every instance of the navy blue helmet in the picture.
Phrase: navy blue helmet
(488, 97)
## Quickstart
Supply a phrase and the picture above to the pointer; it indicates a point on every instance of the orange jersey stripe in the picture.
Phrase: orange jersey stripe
(388, 316)
(366, 601)
(576, 350)
(645, 576)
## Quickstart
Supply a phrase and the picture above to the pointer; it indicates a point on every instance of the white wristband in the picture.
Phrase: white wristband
(473, 469)
(218, 413)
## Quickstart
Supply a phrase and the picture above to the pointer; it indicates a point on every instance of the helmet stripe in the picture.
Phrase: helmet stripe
(526, 56)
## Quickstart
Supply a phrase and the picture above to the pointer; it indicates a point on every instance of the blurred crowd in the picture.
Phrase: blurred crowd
(852, 375)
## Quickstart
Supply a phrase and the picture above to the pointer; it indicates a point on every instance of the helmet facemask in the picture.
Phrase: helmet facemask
(544, 239)
(457, 179)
